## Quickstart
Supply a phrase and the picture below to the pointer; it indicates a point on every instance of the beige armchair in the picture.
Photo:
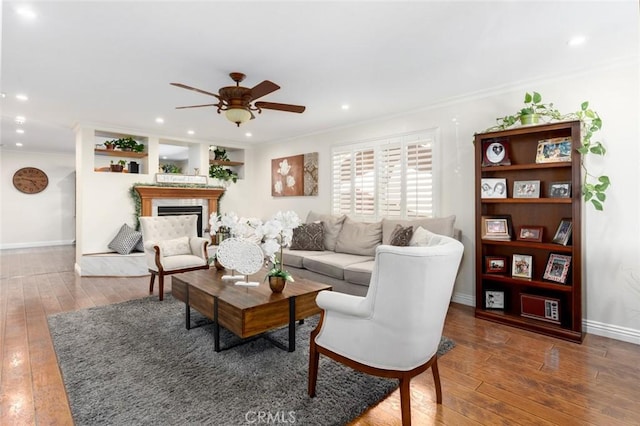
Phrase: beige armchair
(172, 245)
(394, 331)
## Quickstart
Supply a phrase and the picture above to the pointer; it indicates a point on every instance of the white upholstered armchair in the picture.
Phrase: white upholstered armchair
(394, 331)
(172, 245)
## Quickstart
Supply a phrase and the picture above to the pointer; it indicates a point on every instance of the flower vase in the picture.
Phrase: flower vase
(276, 284)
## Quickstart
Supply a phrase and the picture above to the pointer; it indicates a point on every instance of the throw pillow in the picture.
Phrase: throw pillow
(438, 225)
(126, 239)
(423, 238)
(175, 247)
(401, 236)
(308, 236)
(332, 226)
(139, 246)
(359, 238)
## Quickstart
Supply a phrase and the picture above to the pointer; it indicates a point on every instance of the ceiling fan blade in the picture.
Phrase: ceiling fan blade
(184, 86)
(280, 107)
(196, 106)
(263, 89)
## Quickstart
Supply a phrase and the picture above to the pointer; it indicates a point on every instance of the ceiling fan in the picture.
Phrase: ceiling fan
(236, 101)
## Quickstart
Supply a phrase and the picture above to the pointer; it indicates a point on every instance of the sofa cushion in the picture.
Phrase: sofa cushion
(438, 225)
(125, 240)
(294, 257)
(401, 235)
(359, 237)
(332, 264)
(332, 226)
(359, 273)
(308, 236)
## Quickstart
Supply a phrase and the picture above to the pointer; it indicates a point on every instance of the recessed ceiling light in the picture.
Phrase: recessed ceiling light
(26, 12)
(191, 132)
(22, 97)
(159, 120)
(3, 95)
(18, 143)
(21, 131)
(577, 41)
(248, 134)
(345, 107)
(20, 119)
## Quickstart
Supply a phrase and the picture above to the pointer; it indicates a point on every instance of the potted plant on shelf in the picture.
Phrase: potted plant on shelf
(129, 144)
(110, 145)
(224, 175)
(594, 187)
(170, 168)
(117, 167)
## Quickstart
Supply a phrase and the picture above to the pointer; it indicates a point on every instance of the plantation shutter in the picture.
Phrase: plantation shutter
(392, 178)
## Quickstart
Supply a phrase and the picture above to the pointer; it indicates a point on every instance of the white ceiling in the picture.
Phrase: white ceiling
(110, 63)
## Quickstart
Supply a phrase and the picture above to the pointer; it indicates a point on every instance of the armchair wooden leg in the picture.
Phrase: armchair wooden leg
(161, 286)
(153, 278)
(405, 400)
(314, 357)
(436, 379)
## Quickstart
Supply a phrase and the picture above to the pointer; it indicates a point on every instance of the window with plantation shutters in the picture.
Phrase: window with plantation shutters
(392, 177)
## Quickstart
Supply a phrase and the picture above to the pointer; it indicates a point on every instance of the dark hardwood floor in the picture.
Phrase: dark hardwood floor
(494, 375)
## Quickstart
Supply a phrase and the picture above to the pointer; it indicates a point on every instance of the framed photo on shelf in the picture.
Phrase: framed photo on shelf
(554, 150)
(530, 233)
(496, 227)
(495, 264)
(495, 152)
(522, 266)
(557, 268)
(563, 233)
(526, 189)
(493, 188)
(560, 189)
(494, 299)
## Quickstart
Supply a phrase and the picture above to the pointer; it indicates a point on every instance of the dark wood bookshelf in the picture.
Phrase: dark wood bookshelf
(545, 212)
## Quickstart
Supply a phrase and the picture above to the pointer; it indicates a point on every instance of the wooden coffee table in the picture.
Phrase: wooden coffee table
(246, 311)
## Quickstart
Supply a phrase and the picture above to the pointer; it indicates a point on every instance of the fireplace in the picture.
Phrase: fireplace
(180, 210)
(153, 197)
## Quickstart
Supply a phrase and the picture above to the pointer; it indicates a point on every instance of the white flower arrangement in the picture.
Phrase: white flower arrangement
(272, 235)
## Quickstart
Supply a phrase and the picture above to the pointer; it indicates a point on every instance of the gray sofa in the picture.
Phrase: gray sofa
(346, 256)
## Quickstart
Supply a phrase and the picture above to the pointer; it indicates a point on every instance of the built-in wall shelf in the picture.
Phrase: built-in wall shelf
(226, 163)
(119, 153)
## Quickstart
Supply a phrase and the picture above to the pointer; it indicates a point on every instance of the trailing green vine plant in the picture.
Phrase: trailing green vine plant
(594, 187)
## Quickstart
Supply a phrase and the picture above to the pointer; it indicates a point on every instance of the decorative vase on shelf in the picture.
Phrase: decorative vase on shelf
(276, 284)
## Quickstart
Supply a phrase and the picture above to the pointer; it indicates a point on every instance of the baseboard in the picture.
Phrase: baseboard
(612, 331)
(463, 299)
(624, 334)
(37, 244)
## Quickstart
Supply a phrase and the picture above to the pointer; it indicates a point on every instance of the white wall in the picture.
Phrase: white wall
(612, 243)
(43, 219)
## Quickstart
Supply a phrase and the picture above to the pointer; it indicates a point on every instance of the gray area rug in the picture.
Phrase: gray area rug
(135, 363)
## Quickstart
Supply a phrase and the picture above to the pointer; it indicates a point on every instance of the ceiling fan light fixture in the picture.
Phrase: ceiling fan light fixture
(238, 115)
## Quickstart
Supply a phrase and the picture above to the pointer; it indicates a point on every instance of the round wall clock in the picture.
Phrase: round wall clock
(30, 180)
